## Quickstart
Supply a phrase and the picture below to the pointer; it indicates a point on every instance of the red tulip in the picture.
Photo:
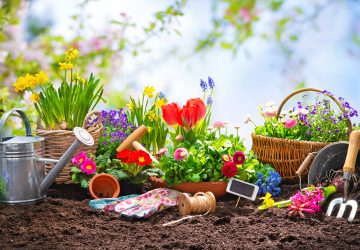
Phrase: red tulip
(172, 114)
(192, 112)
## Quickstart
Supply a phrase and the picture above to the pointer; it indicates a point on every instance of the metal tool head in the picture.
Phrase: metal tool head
(330, 158)
(343, 204)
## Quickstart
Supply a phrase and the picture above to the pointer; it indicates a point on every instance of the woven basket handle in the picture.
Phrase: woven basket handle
(348, 122)
(98, 122)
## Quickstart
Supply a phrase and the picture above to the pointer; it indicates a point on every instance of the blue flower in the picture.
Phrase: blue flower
(211, 83)
(209, 100)
(203, 85)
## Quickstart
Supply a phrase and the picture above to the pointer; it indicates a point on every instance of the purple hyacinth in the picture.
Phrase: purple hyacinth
(211, 83)
(203, 85)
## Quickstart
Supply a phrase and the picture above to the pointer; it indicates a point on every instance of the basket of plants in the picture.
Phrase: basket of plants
(62, 109)
(287, 137)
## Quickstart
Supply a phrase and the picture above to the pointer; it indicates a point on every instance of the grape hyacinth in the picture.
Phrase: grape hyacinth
(203, 85)
(269, 184)
(211, 83)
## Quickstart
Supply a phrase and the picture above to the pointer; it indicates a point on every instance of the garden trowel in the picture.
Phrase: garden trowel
(348, 171)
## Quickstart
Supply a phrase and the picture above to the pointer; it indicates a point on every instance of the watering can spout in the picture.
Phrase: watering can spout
(82, 137)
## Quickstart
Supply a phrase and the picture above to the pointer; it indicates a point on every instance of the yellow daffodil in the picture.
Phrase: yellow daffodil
(152, 116)
(4, 94)
(130, 106)
(66, 66)
(149, 91)
(41, 77)
(71, 54)
(32, 81)
(268, 201)
(160, 102)
(21, 84)
(34, 97)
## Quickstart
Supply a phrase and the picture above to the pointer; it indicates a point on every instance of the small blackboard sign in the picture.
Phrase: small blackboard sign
(242, 189)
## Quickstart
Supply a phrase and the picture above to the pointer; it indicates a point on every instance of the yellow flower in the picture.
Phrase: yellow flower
(160, 102)
(32, 81)
(65, 66)
(21, 84)
(4, 94)
(34, 97)
(41, 77)
(71, 54)
(268, 201)
(149, 91)
(152, 116)
(130, 106)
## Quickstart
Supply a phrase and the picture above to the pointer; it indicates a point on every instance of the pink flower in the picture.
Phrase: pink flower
(270, 112)
(181, 154)
(226, 158)
(239, 158)
(179, 138)
(162, 151)
(245, 14)
(88, 166)
(219, 124)
(309, 202)
(290, 123)
(79, 158)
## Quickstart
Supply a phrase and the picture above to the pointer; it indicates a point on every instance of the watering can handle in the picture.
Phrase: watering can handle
(23, 117)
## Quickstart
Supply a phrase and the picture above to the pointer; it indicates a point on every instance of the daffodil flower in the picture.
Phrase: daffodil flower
(149, 91)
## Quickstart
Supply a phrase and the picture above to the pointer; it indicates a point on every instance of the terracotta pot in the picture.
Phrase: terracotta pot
(218, 188)
(104, 186)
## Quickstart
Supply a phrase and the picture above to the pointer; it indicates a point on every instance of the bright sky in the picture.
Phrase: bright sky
(242, 82)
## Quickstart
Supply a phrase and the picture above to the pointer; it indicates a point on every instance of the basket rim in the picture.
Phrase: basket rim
(253, 134)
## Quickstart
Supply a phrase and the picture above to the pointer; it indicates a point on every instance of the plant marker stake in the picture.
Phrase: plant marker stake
(237, 203)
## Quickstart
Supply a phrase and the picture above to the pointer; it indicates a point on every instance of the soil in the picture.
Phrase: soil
(64, 220)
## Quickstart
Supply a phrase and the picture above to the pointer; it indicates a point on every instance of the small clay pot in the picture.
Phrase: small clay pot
(104, 186)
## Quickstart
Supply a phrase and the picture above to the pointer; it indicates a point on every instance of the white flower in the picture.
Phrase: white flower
(301, 111)
(270, 104)
(247, 119)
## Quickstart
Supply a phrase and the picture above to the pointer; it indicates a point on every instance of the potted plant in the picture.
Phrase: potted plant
(199, 158)
(287, 137)
(61, 109)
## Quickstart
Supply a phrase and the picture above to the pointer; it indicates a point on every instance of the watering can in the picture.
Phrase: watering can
(22, 167)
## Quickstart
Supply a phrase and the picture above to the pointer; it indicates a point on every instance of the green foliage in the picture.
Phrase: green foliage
(147, 111)
(204, 162)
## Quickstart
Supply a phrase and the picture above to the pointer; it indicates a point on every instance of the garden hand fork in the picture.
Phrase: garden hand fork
(348, 169)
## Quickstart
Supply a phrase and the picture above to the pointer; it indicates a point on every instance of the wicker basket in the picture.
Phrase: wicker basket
(58, 141)
(286, 155)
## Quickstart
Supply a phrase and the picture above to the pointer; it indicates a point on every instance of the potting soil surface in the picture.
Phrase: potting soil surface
(65, 221)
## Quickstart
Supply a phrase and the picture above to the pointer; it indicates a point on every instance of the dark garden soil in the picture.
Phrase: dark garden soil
(65, 221)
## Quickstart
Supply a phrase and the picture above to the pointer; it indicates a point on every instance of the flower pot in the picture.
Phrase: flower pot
(130, 188)
(104, 186)
(218, 188)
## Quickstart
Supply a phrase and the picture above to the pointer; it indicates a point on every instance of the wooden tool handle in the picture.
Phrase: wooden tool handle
(134, 136)
(305, 165)
(138, 146)
(354, 143)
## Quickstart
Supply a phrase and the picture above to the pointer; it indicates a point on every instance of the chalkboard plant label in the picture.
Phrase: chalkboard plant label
(242, 189)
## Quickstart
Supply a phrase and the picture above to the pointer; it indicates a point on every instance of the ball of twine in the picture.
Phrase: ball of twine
(201, 203)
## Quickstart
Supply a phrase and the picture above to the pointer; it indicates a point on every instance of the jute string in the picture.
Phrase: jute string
(201, 204)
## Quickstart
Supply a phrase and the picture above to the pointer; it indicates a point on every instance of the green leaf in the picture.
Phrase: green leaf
(75, 170)
(84, 183)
